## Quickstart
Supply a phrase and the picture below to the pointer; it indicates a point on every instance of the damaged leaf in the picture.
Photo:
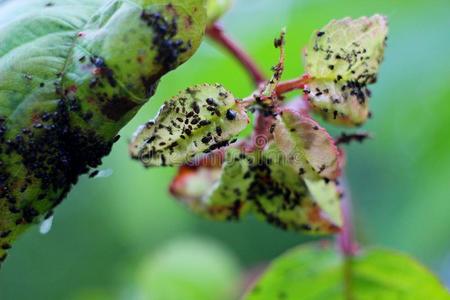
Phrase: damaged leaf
(73, 73)
(261, 183)
(216, 191)
(306, 146)
(198, 120)
(285, 199)
(343, 58)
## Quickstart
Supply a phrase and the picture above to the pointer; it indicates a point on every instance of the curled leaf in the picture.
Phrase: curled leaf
(262, 183)
(285, 199)
(307, 147)
(198, 120)
(215, 190)
(343, 58)
(73, 73)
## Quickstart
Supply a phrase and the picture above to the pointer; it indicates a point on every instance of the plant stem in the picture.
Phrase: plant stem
(346, 243)
(293, 84)
(216, 33)
(347, 275)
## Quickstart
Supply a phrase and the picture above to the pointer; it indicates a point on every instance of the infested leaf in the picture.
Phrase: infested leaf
(318, 272)
(199, 120)
(261, 183)
(216, 9)
(72, 74)
(340, 103)
(343, 58)
(284, 198)
(307, 147)
(327, 196)
(216, 191)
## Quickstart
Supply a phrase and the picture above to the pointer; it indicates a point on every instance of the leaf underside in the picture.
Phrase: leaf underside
(72, 74)
(343, 58)
(261, 184)
(198, 120)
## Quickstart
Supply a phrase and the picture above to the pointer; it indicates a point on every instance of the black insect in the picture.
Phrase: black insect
(231, 115)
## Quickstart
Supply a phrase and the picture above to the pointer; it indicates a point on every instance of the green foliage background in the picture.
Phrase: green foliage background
(400, 180)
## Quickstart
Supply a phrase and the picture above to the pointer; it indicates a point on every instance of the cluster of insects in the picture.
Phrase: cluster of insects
(287, 172)
(63, 118)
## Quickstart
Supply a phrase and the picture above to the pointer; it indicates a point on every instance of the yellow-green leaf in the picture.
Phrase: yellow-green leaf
(282, 197)
(198, 120)
(343, 58)
(215, 190)
(262, 183)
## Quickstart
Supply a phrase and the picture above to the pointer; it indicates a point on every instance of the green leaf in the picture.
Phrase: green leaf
(343, 58)
(216, 9)
(72, 74)
(315, 272)
(198, 120)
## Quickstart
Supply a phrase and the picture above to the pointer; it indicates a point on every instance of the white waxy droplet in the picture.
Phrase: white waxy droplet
(46, 225)
(104, 173)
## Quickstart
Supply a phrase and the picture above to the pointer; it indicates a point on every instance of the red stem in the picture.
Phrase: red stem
(216, 33)
(293, 84)
(346, 241)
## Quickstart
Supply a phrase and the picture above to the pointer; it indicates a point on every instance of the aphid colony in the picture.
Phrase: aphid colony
(289, 182)
(200, 119)
(260, 183)
(164, 42)
(287, 172)
(343, 58)
(63, 118)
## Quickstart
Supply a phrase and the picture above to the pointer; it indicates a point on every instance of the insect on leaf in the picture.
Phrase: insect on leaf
(198, 120)
(72, 74)
(343, 58)
(216, 191)
(262, 184)
(306, 146)
(283, 197)
(278, 69)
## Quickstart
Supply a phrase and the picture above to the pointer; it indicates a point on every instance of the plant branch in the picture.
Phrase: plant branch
(216, 33)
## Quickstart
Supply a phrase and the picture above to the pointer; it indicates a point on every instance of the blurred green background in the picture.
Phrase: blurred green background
(111, 231)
